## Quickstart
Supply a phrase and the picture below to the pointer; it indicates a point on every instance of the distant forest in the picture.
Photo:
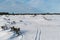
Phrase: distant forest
(7, 13)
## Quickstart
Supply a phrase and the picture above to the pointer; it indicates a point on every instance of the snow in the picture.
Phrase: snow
(39, 27)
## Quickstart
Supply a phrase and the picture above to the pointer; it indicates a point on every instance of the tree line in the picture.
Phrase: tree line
(7, 13)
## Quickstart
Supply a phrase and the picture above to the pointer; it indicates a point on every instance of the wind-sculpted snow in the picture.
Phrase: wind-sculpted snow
(39, 27)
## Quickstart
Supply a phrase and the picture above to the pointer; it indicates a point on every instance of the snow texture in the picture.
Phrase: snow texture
(39, 27)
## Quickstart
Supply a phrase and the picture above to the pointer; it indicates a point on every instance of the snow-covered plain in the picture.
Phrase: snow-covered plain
(39, 27)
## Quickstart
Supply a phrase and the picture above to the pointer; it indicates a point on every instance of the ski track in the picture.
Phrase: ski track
(36, 35)
(39, 34)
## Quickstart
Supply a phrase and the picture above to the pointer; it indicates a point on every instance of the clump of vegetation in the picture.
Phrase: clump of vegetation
(4, 27)
(16, 30)
(13, 22)
(21, 20)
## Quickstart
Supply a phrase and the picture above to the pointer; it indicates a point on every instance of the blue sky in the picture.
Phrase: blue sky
(30, 6)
